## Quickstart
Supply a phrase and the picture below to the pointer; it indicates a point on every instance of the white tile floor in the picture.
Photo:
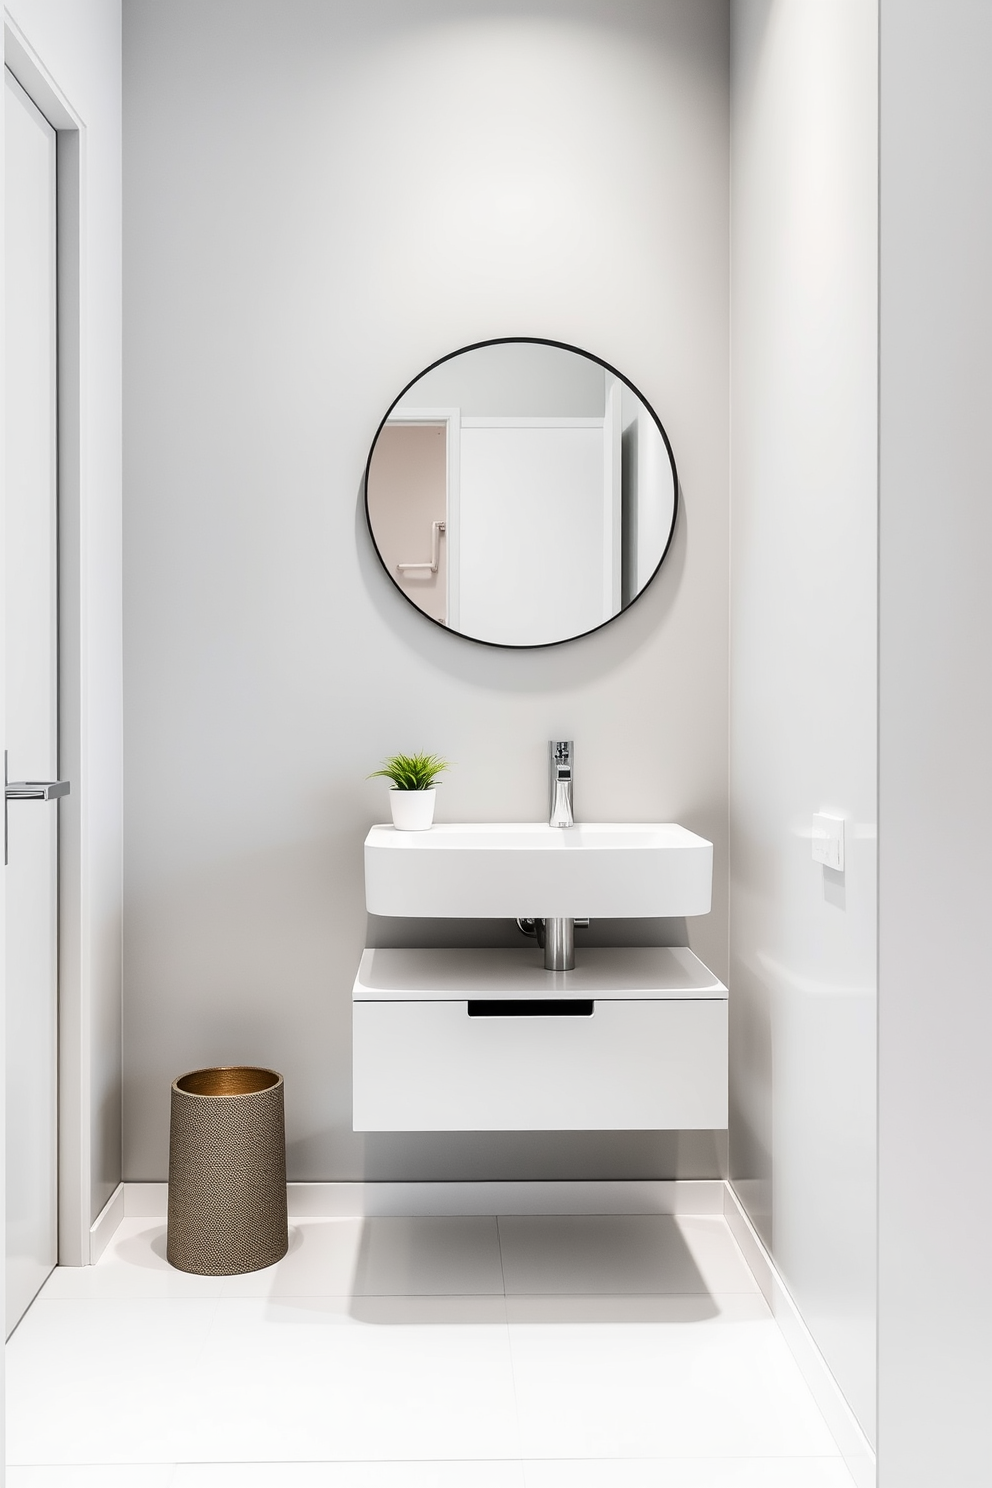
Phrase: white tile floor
(607, 1352)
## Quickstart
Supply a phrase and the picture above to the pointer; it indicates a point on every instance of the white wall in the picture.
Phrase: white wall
(803, 657)
(287, 272)
(67, 53)
(935, 727)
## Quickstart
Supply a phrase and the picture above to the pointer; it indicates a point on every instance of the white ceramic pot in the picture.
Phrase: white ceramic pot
(413, 810)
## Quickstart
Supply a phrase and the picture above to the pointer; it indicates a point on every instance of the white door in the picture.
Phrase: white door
(31, 875)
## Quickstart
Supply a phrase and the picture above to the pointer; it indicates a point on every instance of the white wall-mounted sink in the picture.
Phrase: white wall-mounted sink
(530, 870)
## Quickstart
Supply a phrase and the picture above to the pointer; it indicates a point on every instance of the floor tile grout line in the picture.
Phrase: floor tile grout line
(509, 1352)
(499, 1247)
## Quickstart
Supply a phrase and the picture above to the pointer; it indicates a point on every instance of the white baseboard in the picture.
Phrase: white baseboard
(602, 1196)
(106, 1222)
(851, 1441)
(146, 1200)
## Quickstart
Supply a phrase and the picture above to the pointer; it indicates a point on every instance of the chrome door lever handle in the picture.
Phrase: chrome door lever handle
(28, 790)
(36, 790)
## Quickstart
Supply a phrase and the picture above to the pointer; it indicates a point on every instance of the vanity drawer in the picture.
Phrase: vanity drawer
(456, 1066)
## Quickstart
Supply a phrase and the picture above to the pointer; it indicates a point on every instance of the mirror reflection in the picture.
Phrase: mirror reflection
(521, 493)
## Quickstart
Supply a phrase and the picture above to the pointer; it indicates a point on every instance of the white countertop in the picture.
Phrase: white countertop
(619, 973)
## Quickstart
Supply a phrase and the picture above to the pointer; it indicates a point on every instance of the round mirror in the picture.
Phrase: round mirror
(521, 492)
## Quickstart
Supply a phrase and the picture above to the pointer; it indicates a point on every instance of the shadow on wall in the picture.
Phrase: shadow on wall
(394, 931)
(506, 1157)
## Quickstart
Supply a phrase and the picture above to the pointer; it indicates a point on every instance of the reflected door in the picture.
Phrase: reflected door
(539, 526)
(31, 875)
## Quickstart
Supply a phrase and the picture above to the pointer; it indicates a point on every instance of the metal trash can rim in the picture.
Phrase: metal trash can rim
(227, 1080)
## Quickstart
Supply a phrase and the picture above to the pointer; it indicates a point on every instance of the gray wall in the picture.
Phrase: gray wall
(803, 672)
(289, 265)
(935, 735)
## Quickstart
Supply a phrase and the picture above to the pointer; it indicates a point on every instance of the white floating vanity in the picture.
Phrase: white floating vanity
(487, 1039)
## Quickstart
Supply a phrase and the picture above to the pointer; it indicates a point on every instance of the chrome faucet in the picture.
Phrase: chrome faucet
(560, 757)
(559, 934)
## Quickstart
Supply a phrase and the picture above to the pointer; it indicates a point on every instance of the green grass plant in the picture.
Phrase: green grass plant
(411, 772)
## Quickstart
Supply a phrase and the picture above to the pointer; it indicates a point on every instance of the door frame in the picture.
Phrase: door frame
(74, 1032)
(407, 413)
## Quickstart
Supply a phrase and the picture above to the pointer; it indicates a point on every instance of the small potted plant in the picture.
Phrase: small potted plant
(411, 797)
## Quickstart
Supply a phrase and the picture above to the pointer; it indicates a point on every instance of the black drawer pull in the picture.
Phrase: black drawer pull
(574, 1007)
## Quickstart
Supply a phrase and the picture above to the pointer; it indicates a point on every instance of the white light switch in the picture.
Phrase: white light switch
(828, 841)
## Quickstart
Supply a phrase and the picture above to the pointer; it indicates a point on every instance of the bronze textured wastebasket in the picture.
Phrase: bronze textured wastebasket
(227, 1171)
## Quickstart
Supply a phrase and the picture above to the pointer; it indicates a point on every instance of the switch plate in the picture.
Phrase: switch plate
(828, 842)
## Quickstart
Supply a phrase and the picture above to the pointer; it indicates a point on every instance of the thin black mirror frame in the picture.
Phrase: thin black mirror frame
(517, 341)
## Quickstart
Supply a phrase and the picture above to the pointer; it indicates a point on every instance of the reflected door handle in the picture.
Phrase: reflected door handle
(436, 529)
(28, 790)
